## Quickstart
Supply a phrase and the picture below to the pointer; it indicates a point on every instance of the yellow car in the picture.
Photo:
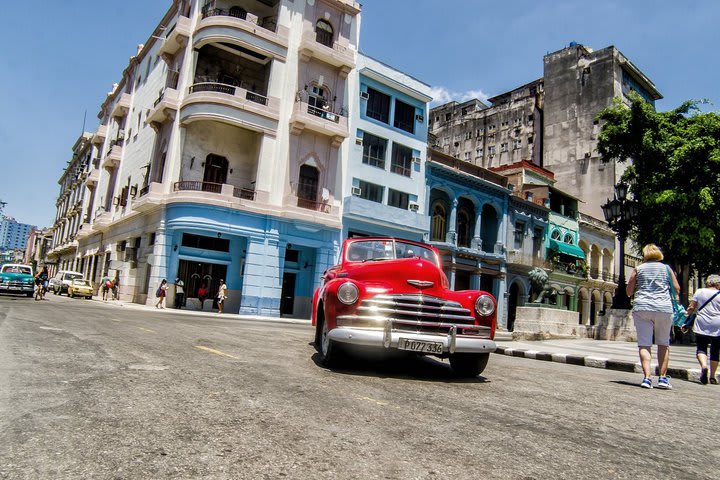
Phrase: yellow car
(80, 288)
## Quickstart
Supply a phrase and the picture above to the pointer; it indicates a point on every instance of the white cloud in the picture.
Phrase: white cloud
(443, 95)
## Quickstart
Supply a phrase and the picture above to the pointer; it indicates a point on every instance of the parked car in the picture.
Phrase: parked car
(80, 287)
(61, 281)
(17, 278)
(393, 294)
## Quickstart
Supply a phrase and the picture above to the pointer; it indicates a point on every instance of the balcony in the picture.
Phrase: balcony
(336, 54)
(112, 159)
(122, 106)
(517, 257)
(261, 32)
(164, 108)
(233, 104)
(92, 178)
(175, 39)
(198, 186)
(100, 135)
(318, 120)
(103, 219)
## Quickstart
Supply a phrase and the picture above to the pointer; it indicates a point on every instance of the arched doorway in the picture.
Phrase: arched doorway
(324, 33)
(489, 228)
(216, 171)
(307, 190)
(513, 301)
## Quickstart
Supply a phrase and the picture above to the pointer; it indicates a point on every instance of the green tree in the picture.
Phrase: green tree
(673, 172)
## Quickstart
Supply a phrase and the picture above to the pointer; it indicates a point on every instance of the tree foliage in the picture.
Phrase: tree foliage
(674, 174)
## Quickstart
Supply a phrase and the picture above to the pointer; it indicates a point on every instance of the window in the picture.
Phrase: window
(555, 235)
(537, 242)
(308, 187)
(491, 150)
(504, 124)
(504, 147)
(448, 116)
(374, 150)
(205, 243)
(480, 132)
(517, 122)
(492, 128)
(370, 191)
(324, 33)
(378, 106)
(316, 101)
(401, 160)
(463, 228)
(569, 239)
(151, 240)
(439, 218)
(519, 234)
(398, 199)
(517, 144)
(468, 135)
(404, 116)
(478, 152)
(467, 156)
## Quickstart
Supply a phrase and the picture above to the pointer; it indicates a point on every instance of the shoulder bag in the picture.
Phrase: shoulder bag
(691, 318)
(679, 316)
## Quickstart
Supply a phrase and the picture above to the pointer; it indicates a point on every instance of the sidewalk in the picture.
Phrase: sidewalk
(613, 355)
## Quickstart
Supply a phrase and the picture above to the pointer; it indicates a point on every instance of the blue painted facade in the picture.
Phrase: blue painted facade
(384, 192)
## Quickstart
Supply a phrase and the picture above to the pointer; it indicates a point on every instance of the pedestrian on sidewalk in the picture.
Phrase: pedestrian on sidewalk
(707, 327)
(161, 293)
(222, 295)
(179, 293)
(652, 311)
(106, 285)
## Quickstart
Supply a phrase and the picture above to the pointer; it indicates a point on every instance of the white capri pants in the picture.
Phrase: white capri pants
(647, 322)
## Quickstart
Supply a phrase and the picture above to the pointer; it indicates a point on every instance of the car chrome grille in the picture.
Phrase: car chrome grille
(414, 313)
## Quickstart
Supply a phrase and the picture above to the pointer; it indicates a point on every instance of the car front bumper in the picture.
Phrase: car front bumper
(388, 338)
(16, 288)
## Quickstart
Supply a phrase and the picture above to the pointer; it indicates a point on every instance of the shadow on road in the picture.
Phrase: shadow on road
(393, 364)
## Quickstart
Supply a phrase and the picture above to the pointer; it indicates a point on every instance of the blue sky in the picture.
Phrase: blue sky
(60, 58)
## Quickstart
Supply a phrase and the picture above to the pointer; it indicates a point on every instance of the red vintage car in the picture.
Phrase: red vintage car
(393, 294)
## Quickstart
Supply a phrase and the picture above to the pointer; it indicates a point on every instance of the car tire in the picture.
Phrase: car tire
(469, 365)
(329, 351)
(55, 291)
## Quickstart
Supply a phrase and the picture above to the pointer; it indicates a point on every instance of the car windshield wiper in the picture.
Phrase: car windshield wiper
(378, 259)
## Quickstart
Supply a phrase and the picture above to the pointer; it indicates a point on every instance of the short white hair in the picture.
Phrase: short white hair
(713, 281)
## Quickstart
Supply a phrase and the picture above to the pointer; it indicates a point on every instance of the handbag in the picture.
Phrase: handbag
(691, 319)
(679, 316)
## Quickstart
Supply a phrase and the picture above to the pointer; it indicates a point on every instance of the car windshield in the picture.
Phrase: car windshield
(72, 276)
(375, 250)
(17, 269)
(82, 283)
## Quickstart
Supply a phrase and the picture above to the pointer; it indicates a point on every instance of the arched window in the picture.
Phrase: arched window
(555, 235)
(307, 190)
(324, 33)
(439, 222)
(463, 228)
(569, 239)
(489, 228)
(216, 171)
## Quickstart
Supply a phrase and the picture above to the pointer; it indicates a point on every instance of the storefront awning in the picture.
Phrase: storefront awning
(567, 249)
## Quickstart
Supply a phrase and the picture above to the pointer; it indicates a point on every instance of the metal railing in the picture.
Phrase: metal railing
(244, 193)
(322, 113)
(227, 89)
(313, 205)
(144, 190)
(197, 186)
(268, 23)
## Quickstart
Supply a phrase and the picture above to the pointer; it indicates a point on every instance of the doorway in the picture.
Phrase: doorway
(287, 296)
(513, 302)
(216, 172)
(201, 279)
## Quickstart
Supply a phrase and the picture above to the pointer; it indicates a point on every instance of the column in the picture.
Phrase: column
(451, 236)
(477, 240)
(262, 285)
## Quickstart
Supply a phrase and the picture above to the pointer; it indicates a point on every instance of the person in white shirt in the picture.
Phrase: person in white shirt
(179, 293)
(706, 302)
(221, 296)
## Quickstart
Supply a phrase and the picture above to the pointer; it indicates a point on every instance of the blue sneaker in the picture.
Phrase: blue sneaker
(646, 383)
(664, 383)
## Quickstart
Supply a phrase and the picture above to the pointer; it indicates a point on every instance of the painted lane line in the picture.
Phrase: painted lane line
(216, 352)
(372, 400)
(146, 330)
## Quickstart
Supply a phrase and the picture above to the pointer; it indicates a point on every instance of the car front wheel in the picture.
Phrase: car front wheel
(469, 364)
(329, 350)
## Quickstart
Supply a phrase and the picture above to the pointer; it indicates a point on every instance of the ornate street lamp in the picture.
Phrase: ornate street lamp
(619, 213)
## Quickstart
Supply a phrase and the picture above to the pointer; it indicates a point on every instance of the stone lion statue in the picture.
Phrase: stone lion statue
(538, 281)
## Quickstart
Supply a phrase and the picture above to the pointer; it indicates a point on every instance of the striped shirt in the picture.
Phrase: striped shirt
(652, 288)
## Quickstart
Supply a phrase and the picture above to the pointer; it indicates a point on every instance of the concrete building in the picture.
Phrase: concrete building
(550, 121)
(13, 235)
(220, 154)
(468, 208)
(384, 185)
(73, 206)
(38, 245)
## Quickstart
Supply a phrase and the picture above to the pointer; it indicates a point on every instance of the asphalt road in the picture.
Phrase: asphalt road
(92, 391)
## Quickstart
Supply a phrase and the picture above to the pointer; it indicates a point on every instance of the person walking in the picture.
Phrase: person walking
(179, 293)
(707, 327)
(221, 296)
(161, 293)
(652, 312)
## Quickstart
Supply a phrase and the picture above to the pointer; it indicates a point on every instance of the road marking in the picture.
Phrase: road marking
(216, 352)
(372, 400)
(52, 329)
(147, 330)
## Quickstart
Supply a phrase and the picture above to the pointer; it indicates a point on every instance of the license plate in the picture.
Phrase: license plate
(420, 346)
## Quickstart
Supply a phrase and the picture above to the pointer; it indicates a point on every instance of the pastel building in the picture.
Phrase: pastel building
(13, 234)
(220, 154)
(384, 185)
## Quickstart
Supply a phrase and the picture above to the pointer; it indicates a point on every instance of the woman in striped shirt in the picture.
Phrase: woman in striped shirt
(652, 311)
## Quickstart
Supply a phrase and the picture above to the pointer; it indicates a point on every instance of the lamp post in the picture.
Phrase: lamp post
(619, 213)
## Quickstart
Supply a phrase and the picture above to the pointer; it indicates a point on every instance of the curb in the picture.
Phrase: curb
(689, 374)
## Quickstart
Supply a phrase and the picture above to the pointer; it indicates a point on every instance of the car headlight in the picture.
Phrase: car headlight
(484, 305)
(348, 293)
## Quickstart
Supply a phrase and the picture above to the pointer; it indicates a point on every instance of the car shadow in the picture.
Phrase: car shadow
(626, 383)
(393, 364)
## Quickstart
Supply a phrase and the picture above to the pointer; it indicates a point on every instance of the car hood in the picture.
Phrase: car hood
(7, 276)
(407, 275)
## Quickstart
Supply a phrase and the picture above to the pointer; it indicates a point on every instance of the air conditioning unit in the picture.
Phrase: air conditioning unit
(364, 95)
(356, 191)
(416, 159)
(116, 201)
(358, 141)
(419, 118)
(413, 207)
(121, 135)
